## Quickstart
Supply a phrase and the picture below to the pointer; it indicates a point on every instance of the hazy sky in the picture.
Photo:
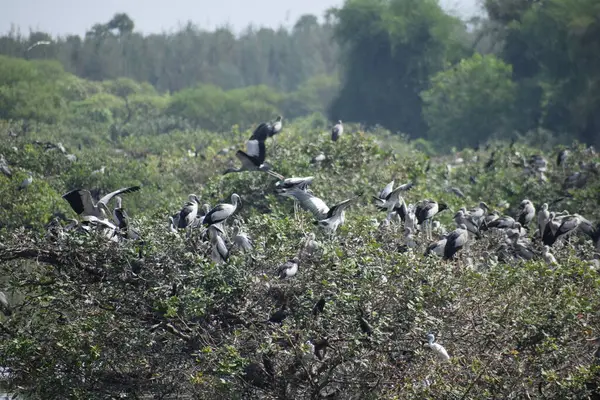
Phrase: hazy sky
(62, 17)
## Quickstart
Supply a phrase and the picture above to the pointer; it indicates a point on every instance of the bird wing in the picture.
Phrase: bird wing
(386, 191)
(81, 202)
(248, 161)
(219, 213)
(256, 149)
(261, 132)
(187, 209)
(338, 208)
(104, 200)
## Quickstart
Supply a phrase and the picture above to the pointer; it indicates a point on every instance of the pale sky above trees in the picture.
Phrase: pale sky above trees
(61, 17)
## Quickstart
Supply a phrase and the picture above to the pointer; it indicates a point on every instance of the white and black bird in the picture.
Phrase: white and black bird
(438, 349)
(309, 245)
(301, 183)
(389, 198)
(121, 220)
(437, 247)
(568, 226)
(337, 131)
(222, 211)
(457, 239)
(335, 217)
(4, 167)
(267, 129)
(187, 214)
(253, 159)
(288, 269)
(425, 212)
(562, 157)
(219, 253)
(526, 213)
(82, 203)
(26, 182)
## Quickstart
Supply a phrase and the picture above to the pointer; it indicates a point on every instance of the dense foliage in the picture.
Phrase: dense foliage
(88, 318)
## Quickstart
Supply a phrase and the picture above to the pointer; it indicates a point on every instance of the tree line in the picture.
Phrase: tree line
(527, 67)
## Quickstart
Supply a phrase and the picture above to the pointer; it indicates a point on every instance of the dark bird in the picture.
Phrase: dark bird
(254, 159)
(267, 129)
(456, 241)
(278, 316)
(337, 131)
(562, 157)
(365, 327)
(319, 306)
(81, 201)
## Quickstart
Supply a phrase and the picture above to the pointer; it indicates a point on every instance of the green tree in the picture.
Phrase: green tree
(468, 103)
(392, 49)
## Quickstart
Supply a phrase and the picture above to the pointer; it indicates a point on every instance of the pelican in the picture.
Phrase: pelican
(26, 182)
(337, 131)
(81, 201)
(254, 159)
(456, 241)
(221, 212)
(288, 269)
(439, 350)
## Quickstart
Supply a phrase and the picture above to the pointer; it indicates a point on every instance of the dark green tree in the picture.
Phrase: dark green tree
(392, 48)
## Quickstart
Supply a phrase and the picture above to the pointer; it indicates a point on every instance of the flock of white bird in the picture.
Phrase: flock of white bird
(516, 241)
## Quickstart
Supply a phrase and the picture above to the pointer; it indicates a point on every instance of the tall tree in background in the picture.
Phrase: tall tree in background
(554, 48)
(391, 47)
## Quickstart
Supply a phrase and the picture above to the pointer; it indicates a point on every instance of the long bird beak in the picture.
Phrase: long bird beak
(275, 174)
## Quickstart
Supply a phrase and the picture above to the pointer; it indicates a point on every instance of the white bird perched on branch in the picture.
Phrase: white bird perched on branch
(288, 269)
(81, 202)
(221, 212)
(439, 350)
(187, 215)
(337, 131)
